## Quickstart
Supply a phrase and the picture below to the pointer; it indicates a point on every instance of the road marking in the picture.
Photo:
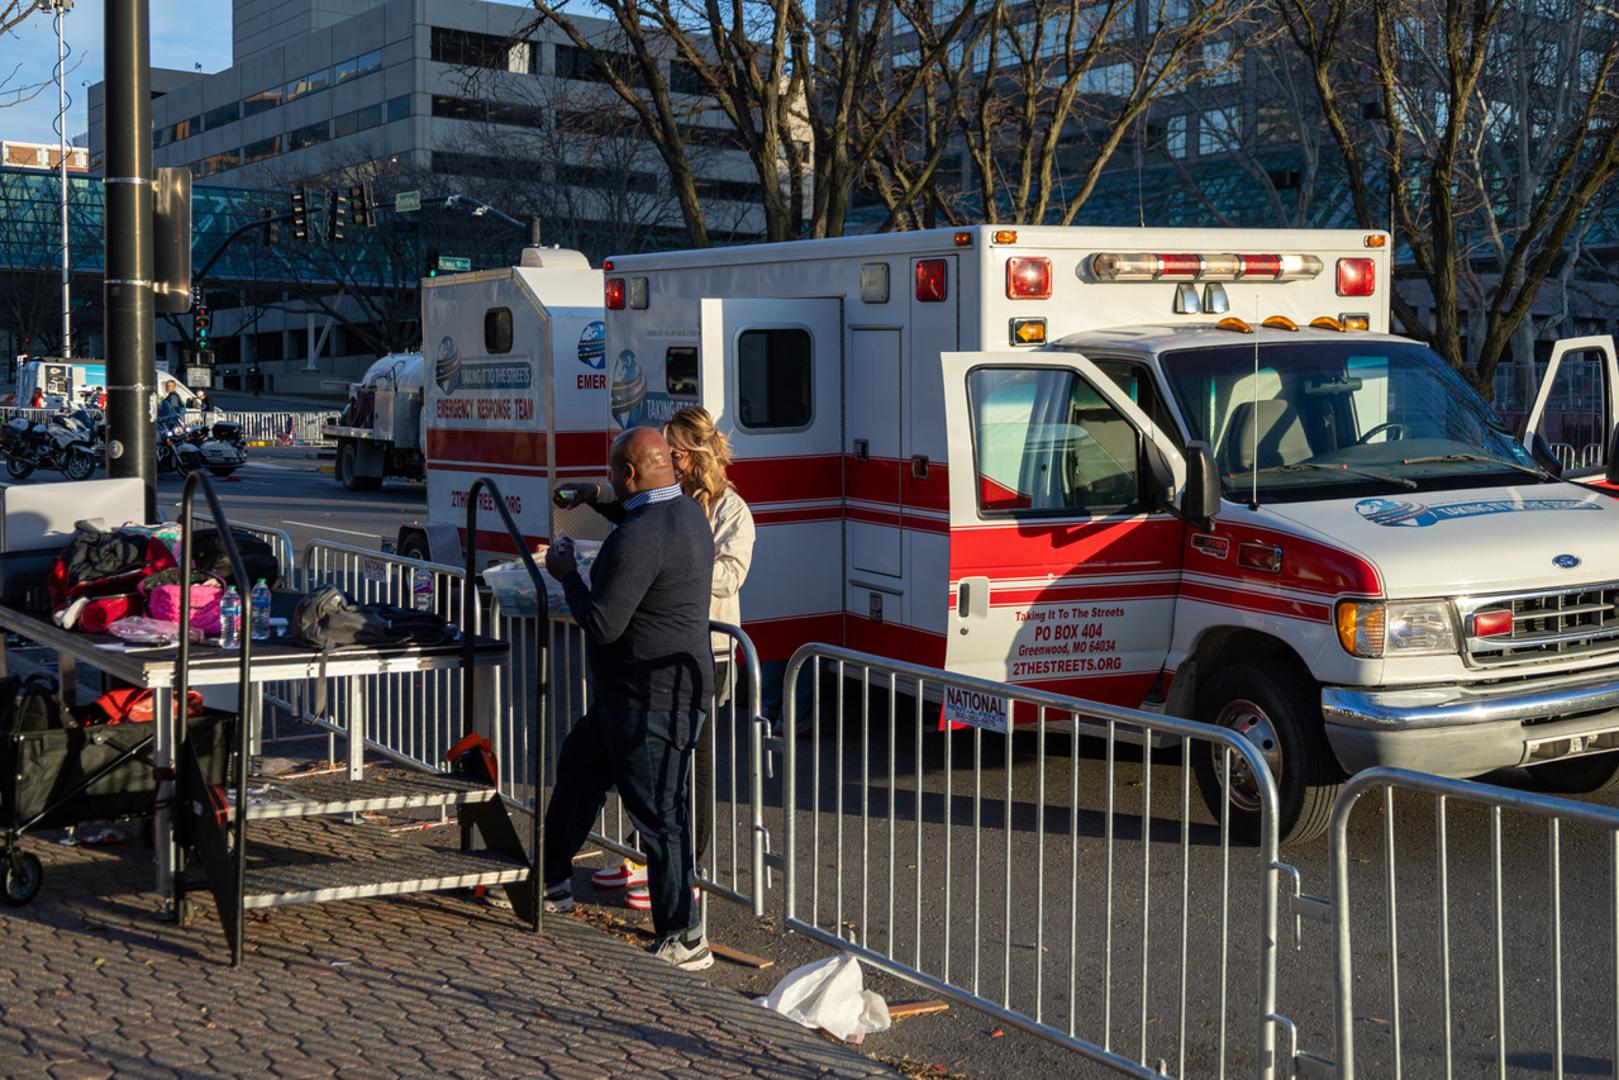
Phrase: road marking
(328, 528)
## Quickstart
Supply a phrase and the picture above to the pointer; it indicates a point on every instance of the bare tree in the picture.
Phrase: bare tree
(1051, 88)
(1484, 132)
(796, 86)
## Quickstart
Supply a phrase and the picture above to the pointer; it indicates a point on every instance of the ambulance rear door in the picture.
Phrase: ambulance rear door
(771, 375)
(1065, 558)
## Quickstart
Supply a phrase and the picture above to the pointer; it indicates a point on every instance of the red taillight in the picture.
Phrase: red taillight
(615, 294)
(1028, 278)
(931, 280)
(1492, 623)
(1250, 266)
(1179, 266)
(1356, 277)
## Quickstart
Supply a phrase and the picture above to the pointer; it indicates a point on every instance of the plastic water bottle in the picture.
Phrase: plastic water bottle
(422, 594)
(230, 619)
(261, 611)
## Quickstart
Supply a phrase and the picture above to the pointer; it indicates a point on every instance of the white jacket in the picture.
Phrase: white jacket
(732, 522)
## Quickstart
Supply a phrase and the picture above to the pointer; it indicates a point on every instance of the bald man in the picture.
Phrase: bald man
(645, 618)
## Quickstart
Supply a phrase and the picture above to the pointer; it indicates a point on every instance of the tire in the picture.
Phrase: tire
(1278, 706)
(80, 464)
(413, 545)
(19, 468)
(24, 875)
(348, 462)
(1591, 774)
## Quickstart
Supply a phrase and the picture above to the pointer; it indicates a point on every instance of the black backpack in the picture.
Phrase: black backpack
(328, 618)
(209, 555)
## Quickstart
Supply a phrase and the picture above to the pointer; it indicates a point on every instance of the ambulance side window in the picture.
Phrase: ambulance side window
(1045, 443)
(497, 331)
(773, 379)
(1136, 381)
(680, 371)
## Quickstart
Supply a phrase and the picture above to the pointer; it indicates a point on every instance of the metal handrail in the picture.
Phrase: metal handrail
(244, 721)
(469, 607)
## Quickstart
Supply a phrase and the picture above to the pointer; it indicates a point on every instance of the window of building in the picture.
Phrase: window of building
(180, 129)
(576, 63)
(463, 48)
(218, 163)
(358, 120)
(264, 148)
(450, 163)
(1116, 79)
(737, 190)
(497, 330)
(1175, 136)
(360, 65)
(263, 101)
(308, 136)
(1046, 443)
(684, 79)
(773, 379)
(307, 85)
(218, 118)
(398, 108)
(613, 180)
(1218, 65)
(680, 371)
(1219, 130)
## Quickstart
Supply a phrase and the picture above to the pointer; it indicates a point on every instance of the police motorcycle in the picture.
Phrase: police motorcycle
(70, 442)
(184, 446)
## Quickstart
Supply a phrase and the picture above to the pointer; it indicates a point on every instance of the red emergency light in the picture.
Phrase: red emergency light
(1356, 277)
(931, 280)
(1028, 278)
(1492, 623)
(1197, 266)
(615, 294)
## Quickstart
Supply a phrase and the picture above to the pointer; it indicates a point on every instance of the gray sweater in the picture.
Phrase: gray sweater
(645, 613)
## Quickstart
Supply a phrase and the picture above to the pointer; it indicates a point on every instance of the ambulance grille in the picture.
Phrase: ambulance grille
(1571, 622)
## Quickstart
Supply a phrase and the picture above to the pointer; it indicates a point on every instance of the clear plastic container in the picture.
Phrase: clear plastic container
(230, 619)
(261, 611)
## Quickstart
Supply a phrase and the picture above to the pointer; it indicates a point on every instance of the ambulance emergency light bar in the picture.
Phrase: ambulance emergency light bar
(1190, 266)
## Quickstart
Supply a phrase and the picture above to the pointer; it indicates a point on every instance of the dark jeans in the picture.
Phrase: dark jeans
(647, 757)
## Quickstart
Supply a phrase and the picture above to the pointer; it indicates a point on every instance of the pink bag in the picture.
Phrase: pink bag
(163, 600)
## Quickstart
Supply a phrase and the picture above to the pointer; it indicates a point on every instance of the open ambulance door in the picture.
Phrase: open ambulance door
(1576, 408)
(770, 375)
(1065, 553)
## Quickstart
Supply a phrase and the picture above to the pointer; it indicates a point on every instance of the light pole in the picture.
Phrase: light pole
(60, 8)
(131, 364)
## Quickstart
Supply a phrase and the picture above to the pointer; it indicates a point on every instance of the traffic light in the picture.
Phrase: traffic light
(199, 324)
(431, 269)
(362, 205)
(340, 215)
(270, 230)
(300, 214)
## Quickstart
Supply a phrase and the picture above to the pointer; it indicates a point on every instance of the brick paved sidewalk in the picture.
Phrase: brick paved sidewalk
(91, 985)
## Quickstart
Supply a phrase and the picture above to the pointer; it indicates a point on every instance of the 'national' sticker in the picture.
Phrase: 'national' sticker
(1415, 515)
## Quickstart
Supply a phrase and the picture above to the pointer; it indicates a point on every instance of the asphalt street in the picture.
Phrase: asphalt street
(1151, 947)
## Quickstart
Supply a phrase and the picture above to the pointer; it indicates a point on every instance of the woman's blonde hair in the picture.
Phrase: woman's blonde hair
(692, 432)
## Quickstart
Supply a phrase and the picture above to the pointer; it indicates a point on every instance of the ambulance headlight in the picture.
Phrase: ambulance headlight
(1376, 628)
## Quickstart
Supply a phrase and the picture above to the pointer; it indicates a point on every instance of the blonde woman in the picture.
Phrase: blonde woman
(700, 454)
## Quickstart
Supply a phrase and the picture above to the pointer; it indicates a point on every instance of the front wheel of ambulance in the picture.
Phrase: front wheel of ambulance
(1277, 708)
(1589, 775)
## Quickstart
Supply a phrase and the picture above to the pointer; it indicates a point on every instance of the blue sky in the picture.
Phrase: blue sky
(184, 33)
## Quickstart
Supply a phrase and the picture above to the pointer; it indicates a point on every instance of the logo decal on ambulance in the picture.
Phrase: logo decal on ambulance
(628, 388)
(1415, 515)
(593, 346)
(447, 372)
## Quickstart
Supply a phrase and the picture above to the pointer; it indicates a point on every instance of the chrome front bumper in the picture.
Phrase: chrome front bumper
(1469, 730)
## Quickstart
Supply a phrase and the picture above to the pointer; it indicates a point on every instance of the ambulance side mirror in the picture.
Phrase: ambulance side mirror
(1200, 502)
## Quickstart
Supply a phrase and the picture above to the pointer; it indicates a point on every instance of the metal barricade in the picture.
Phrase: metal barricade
(731, 855)
(938, 856)
(413, 718)
(1484, 953)
(278, 428)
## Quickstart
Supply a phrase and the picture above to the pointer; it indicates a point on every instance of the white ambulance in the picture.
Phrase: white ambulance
(1182, 469)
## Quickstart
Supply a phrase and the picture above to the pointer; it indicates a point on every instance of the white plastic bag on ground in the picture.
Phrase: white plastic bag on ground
(830, 994)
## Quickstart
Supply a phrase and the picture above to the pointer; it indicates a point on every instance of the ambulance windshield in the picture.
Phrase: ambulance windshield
(1332, 414)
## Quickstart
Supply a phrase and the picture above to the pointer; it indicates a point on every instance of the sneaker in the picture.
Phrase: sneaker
(626, 874)
(639, 898)
(694, 956)
(558, 900)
